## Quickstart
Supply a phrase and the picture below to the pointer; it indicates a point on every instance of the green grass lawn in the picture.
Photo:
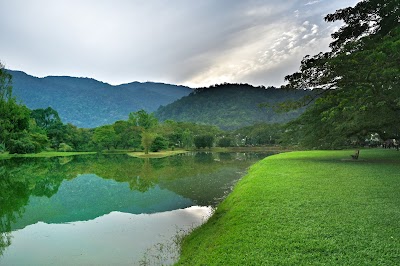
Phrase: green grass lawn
(306, 208)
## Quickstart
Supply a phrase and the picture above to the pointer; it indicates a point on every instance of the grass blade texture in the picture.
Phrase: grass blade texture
(307, 208)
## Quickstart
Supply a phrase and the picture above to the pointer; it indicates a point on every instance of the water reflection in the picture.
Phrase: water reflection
(125, 239)
(82, 188)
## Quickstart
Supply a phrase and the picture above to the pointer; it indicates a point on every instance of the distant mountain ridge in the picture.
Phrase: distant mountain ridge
(87, 102)
(231, 106)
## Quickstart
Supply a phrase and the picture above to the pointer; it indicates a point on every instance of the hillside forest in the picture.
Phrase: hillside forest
(32, 131)
(239, 119)
(232, 106)
(88, 103)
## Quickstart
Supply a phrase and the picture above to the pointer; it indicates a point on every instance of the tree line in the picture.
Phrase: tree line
(32, 131)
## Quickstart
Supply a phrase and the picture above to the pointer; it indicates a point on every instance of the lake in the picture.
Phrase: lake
(109, 209)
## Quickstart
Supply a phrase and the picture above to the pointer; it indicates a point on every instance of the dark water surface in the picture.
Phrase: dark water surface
(108, 209)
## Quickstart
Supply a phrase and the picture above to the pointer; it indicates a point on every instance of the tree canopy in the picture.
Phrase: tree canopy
(356, 84)
(14, 120)
(143, 119)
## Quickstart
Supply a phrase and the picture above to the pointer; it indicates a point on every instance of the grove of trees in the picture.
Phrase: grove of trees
(356, 84)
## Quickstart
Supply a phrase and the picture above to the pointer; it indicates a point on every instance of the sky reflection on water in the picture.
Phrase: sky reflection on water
(124, 238)
(107, 209)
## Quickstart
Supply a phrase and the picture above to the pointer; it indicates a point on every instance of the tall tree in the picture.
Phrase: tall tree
(105, 137)
(204, 141)
(357, 83)
(128, 135)
(46, 118)
(49, 120)
(5, 85)
(146, 122)
(143, 119)
(14, 118)
(148, 138)
(187, 139)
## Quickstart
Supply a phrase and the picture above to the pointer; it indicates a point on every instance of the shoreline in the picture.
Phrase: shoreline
(44, 154)
(305, 207)
(156, 155)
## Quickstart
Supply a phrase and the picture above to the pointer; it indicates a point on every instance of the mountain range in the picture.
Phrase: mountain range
(88, 103)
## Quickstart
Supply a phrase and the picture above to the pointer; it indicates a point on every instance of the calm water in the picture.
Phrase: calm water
(108, 209)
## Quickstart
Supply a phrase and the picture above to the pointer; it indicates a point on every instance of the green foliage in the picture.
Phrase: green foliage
(225, 142)
(14, 118)
(204, 141)
(259, 134)
(41, 140)
(46, 118)
(128, 135)
(5, 85)
(19, 133)
(172, 131)
(26, 143)
(105, 137)
(64, 147)
(56, 135)
(146, 122)
(306, 208)
(80, 139)
(143, 119)
(357, 84)
(2, 148)
(49, 120)
(376, 17)
(159, 143)
(187, 139)
(147, 140)
(231, 106)
(21, 145)
(181, 134)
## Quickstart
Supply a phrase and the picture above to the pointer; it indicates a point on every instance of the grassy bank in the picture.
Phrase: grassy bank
(44, 154)
(306, 208)
(159, 154)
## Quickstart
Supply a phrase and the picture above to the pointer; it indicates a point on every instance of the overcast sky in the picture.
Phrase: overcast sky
(189, 42)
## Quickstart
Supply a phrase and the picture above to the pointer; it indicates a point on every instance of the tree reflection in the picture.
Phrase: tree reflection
(21, 178)
(201, 177)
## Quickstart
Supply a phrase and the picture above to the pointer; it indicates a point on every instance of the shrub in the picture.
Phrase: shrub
(225, 142)
(24, 142)
(2, 148)
(159, 143)
(204, 141)
(22, 146)
(64, 147)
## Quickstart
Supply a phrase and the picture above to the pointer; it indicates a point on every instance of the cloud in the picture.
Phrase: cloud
(267, 51)
(196, 43)
(312, 3)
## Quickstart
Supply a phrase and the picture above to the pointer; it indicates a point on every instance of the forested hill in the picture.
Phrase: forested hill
(87, 102)
(231, 106)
